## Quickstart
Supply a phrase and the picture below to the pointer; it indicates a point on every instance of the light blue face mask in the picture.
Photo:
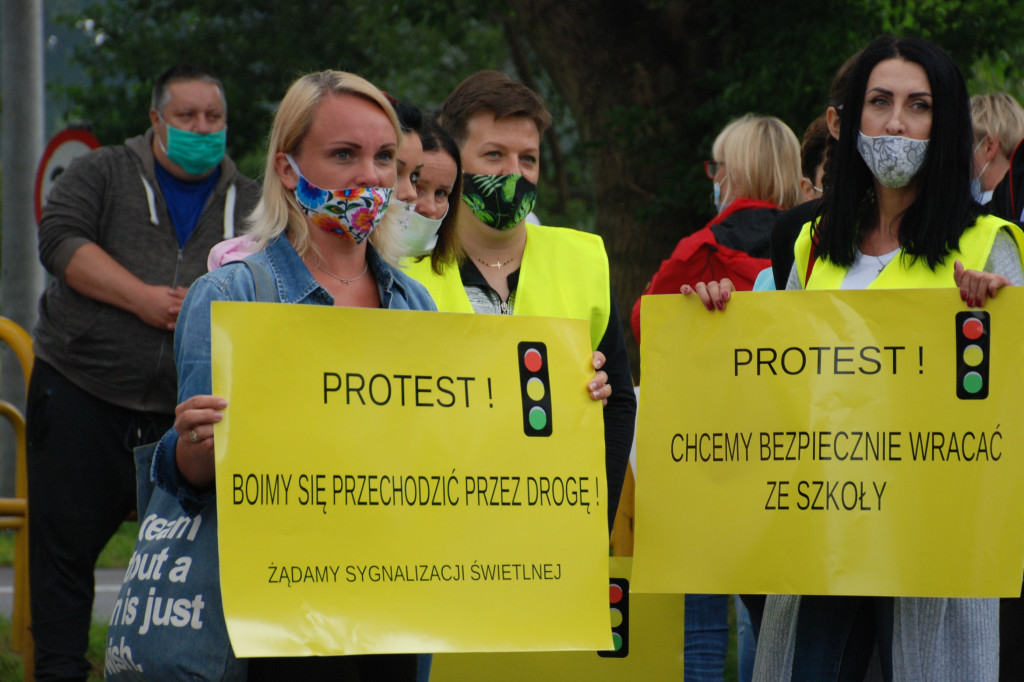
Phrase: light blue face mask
(196, 153)
(718, 197)
(979, 195)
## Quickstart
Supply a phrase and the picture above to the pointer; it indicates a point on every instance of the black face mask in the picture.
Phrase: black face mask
(499, 201)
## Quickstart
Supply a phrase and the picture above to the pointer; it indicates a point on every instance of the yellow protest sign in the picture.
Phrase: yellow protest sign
(648, 628)
(859, 442)
(395, 481)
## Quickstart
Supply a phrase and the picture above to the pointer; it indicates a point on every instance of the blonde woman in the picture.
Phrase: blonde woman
(998, 121)
(755, 168)
(331, 169)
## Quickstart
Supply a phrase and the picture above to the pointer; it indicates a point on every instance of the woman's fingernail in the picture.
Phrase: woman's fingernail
(963, 296)
(721, 305)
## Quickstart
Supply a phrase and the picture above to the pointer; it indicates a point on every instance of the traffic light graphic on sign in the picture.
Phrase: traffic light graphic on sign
(536, 388)
(618, 602)
(973, 334)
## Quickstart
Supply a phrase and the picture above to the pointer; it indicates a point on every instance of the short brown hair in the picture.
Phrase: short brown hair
(492, 92)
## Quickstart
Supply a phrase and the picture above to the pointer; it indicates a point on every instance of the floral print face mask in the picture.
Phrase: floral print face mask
(350, 213)
(893, 160)
(499, 201)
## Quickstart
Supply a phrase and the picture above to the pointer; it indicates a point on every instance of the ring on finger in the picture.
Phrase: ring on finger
(193, 436)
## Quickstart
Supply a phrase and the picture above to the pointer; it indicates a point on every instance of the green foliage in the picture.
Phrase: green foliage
(778, 59)
(6, 548)
(998, 72)
(119, 549)
(416, 50)
(768, 58)
(96, 654)
(10, 663)
(258, 48)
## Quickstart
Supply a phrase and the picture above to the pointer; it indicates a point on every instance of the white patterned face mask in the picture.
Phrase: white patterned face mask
(893, 160)
(416, 235)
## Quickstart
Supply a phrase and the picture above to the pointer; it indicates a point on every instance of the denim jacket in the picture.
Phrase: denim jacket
(294, 284)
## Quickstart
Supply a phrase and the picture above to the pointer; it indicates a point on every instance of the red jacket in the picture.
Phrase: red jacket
(734, 245)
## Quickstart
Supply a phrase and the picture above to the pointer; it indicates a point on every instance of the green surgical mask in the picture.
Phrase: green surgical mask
(196, 153)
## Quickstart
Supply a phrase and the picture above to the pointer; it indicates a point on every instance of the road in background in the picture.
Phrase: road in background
(108, 584)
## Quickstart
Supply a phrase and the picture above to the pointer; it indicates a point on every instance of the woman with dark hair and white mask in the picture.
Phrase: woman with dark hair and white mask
(432, 232)
(897, 212)
(427, 221)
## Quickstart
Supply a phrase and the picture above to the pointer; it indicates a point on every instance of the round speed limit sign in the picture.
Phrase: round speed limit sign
(65, 146)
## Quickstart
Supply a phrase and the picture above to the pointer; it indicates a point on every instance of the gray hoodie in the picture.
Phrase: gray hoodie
(111, 197)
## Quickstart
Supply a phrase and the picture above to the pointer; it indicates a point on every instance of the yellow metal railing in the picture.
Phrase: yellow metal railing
(14, 510)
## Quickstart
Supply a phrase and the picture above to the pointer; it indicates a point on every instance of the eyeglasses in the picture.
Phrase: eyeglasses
(711, 168)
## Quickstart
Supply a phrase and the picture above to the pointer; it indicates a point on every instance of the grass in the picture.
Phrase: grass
(115, 555)
(10, 662)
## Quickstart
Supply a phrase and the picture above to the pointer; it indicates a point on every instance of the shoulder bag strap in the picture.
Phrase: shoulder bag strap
(265, 290)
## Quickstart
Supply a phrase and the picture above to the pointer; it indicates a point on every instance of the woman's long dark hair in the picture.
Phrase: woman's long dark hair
(931, 226)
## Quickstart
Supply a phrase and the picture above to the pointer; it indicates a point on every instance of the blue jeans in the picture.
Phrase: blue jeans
(836, 636)
(746, 642)
(706, 637)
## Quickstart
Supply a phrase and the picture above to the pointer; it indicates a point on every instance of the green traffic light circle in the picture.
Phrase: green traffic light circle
(973, 382)
(538, 418)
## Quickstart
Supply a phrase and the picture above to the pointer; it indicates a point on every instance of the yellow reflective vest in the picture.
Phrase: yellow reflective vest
(564, 273)
(973, 251)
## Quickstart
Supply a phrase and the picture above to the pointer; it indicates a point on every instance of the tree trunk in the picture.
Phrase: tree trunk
(628, 74)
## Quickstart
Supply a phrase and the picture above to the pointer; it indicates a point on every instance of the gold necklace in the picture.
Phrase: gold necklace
(362, 274)
(494, 265)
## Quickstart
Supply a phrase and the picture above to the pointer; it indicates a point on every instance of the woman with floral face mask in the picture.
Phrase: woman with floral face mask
(897, 212)
(323, 235)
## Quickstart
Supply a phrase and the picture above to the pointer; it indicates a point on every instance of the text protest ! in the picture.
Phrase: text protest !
(846, 442)
(448, 466)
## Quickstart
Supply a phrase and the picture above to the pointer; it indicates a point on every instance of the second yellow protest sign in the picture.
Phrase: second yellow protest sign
(395, 481)
(832, 443)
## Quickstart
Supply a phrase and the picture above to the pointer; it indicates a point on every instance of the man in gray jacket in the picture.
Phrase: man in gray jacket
(125, 231)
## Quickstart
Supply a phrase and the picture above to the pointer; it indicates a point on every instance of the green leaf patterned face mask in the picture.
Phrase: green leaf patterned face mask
(499, 201)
